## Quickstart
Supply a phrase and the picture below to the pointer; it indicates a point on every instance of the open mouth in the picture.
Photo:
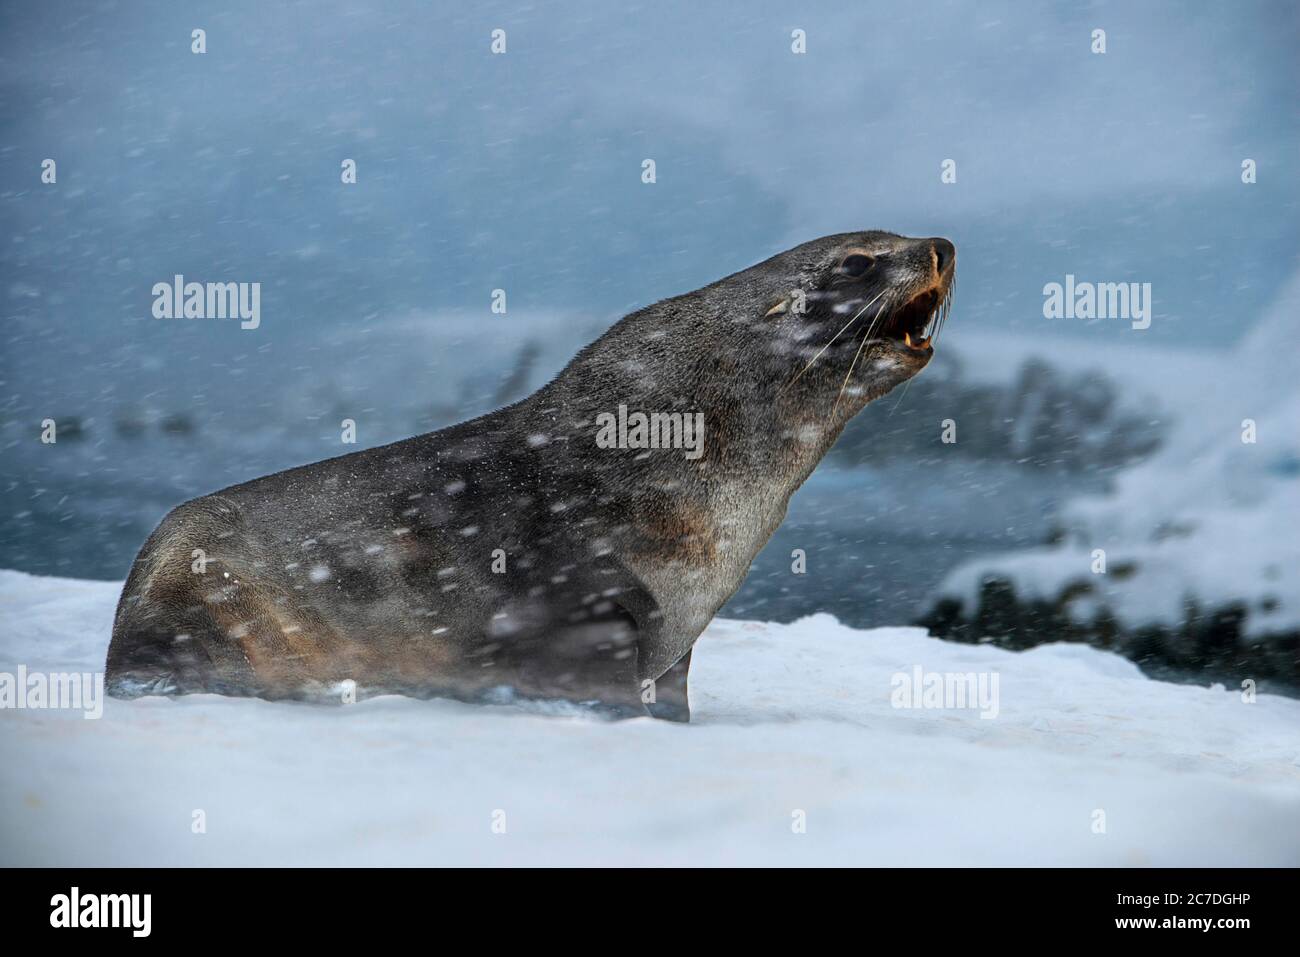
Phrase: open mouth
(918, 320)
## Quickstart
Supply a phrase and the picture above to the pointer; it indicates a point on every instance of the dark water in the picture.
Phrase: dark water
(879, 539)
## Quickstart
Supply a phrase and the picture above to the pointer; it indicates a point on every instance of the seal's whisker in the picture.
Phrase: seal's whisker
(945, 308)
(849, 374)
(833, 338)
(900, 399)
(886, 307)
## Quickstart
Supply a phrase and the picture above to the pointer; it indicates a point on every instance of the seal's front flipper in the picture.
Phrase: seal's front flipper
(588, 655)
(671, 701)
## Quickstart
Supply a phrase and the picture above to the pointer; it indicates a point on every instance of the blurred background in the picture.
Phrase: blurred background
(522, 171)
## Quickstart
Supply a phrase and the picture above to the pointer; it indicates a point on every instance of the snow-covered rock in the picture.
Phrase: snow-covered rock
(1194, 557)
(792, 723)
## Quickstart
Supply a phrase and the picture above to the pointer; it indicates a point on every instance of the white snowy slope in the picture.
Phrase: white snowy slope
(787, 718)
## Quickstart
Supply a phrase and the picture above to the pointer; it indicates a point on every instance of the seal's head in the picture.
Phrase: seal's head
(852, 315)
(778, 356)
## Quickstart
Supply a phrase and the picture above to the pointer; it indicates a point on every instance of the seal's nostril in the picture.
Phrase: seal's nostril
(944, 253)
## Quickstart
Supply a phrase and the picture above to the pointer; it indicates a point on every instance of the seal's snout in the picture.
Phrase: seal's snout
(918, 320)
(945, 254)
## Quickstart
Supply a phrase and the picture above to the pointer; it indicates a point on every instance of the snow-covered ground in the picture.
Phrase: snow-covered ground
(788, 719)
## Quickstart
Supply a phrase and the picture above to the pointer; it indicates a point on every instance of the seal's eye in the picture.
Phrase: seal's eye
(855, 265)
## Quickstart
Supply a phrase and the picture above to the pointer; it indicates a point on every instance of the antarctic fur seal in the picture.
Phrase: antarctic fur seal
(540, 549)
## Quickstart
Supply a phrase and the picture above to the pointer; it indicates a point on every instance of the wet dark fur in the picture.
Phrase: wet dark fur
(376, 567)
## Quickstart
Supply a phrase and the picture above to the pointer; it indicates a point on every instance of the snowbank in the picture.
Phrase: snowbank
(788, 718)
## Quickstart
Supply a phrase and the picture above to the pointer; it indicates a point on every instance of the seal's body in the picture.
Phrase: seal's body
(524, 549)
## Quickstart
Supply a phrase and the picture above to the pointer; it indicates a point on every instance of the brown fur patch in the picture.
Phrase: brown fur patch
(679, 530)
